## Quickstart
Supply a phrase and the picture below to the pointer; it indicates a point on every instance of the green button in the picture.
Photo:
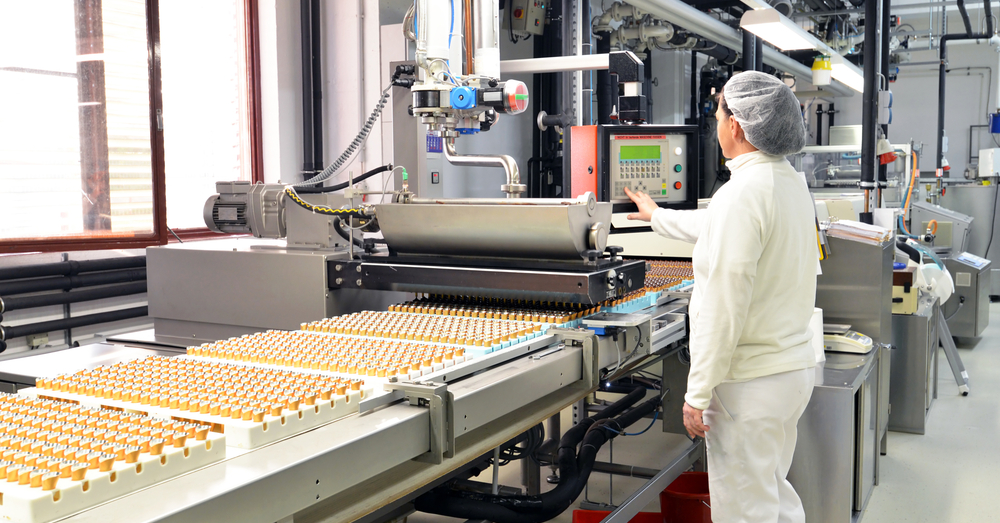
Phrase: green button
(664, 191)
(677, 168)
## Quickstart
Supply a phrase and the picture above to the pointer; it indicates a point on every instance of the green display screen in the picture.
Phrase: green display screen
(639, 152)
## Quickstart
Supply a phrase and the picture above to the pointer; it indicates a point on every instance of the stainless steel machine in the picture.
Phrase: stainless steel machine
(914, 366)
(968, 310)
(952, 230)
(843, 431)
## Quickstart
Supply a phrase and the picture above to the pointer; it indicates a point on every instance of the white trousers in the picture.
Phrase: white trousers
(750, 445)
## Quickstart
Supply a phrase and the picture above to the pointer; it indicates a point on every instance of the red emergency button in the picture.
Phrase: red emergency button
(677, 185)
(518, 13)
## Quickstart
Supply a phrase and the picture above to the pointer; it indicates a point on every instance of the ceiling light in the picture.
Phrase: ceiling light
(778, 30)
(847, 73)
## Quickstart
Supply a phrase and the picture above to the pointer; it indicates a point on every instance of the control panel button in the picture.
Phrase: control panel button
(677, 168)
(677, 185)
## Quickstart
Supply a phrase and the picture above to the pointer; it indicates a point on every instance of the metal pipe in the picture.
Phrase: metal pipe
(625, 470)
(836, 12)
(513, 187)
(486, 32)
(748, 50)
(12, 303)
(819, 124)
(694, 20)
(305, 29)
(317, 86)
(470, 60)
(497, 201)
(869, 107)
(71, 267)
(72, 282)
(942, 72)
(758, 54)
(8, 333)
(556, 64)
(883, 181)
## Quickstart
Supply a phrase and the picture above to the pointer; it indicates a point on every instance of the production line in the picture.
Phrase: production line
(361, 342)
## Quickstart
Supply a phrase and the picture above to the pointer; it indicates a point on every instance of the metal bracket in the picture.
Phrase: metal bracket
(439, 401)
(588, 340)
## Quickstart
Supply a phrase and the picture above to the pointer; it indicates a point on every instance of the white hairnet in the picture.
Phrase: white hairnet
(768, 112)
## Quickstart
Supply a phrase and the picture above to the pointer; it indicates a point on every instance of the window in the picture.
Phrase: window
(207, 134)
(81, 147)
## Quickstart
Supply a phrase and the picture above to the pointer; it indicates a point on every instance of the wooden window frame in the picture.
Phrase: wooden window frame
(161, 235)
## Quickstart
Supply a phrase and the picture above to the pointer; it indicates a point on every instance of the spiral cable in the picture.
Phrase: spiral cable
(358, 141)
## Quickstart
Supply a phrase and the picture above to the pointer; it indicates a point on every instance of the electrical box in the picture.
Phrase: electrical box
(525, 16)
(658, 160)
(989, 163)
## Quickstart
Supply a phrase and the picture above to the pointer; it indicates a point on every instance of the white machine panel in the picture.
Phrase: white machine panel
(989, 162)
(652, 163)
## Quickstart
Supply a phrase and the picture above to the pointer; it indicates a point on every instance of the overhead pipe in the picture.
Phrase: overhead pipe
(690, 18)
(72, 282)
(13, 303)
(71, 267)
(988, 37)
(658, 34)
(513, 187)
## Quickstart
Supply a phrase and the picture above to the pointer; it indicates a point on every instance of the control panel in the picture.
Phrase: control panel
(654, 164)
(526, 17)
(658, 160)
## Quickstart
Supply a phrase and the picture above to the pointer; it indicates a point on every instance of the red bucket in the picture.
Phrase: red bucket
(596, 516)
(686, 499)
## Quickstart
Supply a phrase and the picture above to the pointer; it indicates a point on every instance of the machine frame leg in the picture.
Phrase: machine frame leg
(951, 352)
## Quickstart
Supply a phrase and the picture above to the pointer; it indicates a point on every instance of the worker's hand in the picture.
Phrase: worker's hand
(645, 204)
(693, 421)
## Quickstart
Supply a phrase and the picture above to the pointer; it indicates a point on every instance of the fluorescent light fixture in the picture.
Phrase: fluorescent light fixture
(847, 73)
(778, 30)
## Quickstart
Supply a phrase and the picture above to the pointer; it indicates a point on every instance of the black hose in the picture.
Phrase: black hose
(965, 17)
(8, 333)
(344, 185)
(338, 225)
(72, 282)
(857, 3)
(72, 267)
(910, 251)
(12, 303)
(574, 471)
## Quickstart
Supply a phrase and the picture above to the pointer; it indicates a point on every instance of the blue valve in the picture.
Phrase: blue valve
(463, 98)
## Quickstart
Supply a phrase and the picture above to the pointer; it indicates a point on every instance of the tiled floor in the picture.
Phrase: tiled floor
(950, 474)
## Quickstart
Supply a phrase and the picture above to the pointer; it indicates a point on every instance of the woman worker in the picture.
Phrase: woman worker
(755, 259)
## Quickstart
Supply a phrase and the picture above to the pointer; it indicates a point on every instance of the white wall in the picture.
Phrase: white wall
(968, 97)
(281, 89)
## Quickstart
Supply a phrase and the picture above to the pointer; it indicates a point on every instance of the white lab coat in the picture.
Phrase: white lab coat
(754, 263)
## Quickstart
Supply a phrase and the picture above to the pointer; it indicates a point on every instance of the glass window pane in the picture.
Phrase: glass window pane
(205, 108)
(74, 120)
